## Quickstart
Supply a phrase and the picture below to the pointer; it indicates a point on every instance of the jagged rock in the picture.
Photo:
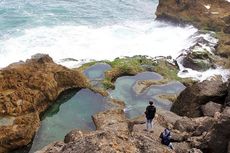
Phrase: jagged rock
(211, 108)
(204, 124)
(199, 61)
(19, 133)
(105, 120)
(190, 100)
(217, 139)
(185, 124)
(26, 90)
(113, 135)
(208, 15)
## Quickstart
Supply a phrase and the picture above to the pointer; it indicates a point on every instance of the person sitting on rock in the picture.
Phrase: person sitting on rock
(165, 138)
(150, 114)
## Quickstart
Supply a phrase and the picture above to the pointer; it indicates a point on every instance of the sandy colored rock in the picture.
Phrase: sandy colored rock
(26, 90)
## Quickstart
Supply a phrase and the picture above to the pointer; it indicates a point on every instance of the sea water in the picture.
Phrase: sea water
(81, 29)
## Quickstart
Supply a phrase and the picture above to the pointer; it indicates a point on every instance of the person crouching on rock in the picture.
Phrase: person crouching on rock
(150, 114)
(165, 138)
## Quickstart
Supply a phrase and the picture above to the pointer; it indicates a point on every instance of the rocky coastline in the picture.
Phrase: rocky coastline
(199, 118)
(27, 89)
(203, 14)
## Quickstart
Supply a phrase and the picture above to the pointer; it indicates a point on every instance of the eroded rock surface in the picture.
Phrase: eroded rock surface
(190, 100)
(209, 15)
(26, 90)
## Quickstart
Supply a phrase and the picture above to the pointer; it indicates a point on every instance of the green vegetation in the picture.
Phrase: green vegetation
(136, 64)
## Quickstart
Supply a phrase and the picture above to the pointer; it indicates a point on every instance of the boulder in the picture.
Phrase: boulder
(27, 89)
(217, 139)
(185, 125)
(211, 108)
(190, 100)
(198, 60)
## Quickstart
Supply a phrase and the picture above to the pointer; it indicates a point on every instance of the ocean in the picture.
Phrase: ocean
(75, 31)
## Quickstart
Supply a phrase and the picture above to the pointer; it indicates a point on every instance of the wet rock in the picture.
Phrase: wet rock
(190, 100)
(26, 90)
(211, 108)
(207, 15)
(199, 61)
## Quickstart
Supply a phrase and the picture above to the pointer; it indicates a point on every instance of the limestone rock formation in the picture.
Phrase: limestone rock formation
(208, 15)
(115, 133)
(26, 90)
(190, 100)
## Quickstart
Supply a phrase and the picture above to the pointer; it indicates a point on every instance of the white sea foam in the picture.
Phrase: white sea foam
(85, 43)
(99, 43)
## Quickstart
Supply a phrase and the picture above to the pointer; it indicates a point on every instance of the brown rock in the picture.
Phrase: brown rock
(227, 29)
(207, 15)
(112, 136)
(211, 108)
(53, 148)
(26, 90)
(217, 139)
(226, 112)
(185, 125)
(190, 100)
(20, 132)
(194, 150)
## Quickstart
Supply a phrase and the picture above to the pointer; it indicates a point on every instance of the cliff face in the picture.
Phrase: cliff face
(26, 90)
(211, 15)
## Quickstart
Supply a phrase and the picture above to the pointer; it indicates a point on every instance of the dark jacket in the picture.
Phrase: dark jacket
(165, 137)
(150, 112)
